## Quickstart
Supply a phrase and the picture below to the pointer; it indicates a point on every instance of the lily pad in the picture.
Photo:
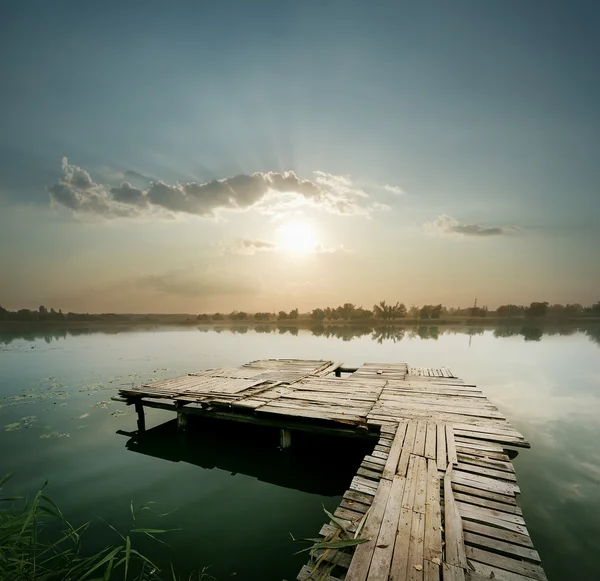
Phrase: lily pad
(101, 404)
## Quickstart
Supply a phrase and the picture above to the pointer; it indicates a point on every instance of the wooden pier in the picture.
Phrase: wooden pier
(434, 500)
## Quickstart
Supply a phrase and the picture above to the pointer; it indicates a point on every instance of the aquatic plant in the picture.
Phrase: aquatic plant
(37, 543)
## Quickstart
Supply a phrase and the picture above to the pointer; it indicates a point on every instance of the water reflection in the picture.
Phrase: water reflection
(253, 451)
(345, 332)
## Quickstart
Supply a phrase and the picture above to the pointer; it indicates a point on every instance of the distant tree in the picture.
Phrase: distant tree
(293, 314)
(593, 309)
(510, 311)
(282, 315)
(317, 314)
(536, 309)
(388, 312)
(436, 311)
(262, 316)
(414, 312)
(203, 317)
(217, 317)
(361, 314)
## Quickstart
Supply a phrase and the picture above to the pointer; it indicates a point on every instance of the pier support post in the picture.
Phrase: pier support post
(182, 421)
(141, 416)
(338, 372)
(285, 439)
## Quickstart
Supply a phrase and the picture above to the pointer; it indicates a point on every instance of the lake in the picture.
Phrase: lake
(232, 495)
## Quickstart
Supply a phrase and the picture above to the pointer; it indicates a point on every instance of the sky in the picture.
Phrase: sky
(170, 157)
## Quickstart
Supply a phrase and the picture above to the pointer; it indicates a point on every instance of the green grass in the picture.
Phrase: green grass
(37, 543)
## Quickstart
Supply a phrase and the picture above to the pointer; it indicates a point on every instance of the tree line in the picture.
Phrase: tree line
(381, 311)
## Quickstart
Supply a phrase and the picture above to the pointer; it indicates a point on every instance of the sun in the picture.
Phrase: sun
(297, 238)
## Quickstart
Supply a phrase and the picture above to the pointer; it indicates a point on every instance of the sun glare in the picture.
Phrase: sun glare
(297, 238)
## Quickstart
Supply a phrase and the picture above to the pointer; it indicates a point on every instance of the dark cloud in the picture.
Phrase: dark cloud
(267, 191)
(127, 194)
(445, 225)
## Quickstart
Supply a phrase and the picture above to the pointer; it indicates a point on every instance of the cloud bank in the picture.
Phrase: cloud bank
(265, 191)
(445, 225)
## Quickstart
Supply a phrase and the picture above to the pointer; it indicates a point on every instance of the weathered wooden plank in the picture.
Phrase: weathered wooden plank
(485, 462)
(409, 440)
(374, 475)
(361, 561)
(392, 463)
(452, 573)
(450, 445)
(513, 518)
(384, 547)
(500, 506)
(408, 499)
(374, 460)
(482, 517)
(348, 514)
(415, 547)
(419, 445)
(477, 444)
(371, 466)
(476, 481)
(332, 556)
(430, 441)
(421, 485)
(482, 454)
(359, 507)
(433, 521)
(379, 454)
(359, 485)
(502, 547)
(441, 447)
(455, 549)
(503, 498)
(398, 568)
(431, 571)
(518, 566)
(358, 496)
(485, 571)
(497, 533)
(316, 572)
(476, 469)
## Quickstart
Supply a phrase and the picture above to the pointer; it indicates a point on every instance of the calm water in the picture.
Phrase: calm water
(233, 495)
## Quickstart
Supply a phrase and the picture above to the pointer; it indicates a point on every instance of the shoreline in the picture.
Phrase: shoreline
(303, 323)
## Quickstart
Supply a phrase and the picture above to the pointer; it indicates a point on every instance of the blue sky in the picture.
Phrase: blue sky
(484, 115)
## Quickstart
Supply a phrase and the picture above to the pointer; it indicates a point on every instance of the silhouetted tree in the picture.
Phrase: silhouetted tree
(262, 316)
(282, 315)
(536, 309)
(414, 312)
(510, 311)
(318, 314)
(293, 314)
(389, 312)
(217, 317)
